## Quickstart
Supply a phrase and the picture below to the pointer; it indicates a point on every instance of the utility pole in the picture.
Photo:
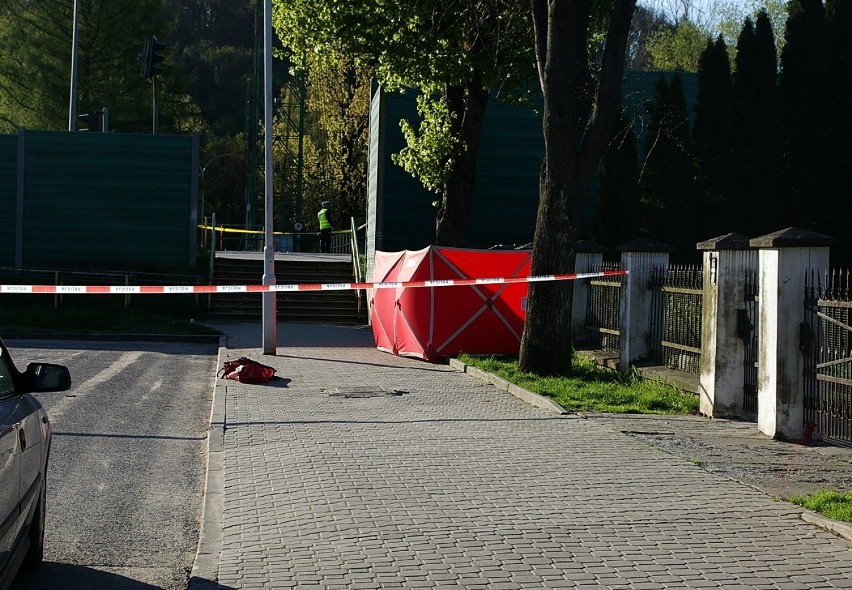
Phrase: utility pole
(270, 319)
(72, 107)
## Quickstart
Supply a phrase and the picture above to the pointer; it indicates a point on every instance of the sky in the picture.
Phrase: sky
(699, 11)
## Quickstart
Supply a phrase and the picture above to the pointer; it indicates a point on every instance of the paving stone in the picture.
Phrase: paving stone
(454, 483)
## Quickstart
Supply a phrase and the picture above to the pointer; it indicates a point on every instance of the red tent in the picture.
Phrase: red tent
(433, 322)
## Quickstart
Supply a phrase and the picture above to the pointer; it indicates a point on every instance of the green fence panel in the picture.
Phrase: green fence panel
(8, 197)
(505, 197)
(109, 199)
(408, 214)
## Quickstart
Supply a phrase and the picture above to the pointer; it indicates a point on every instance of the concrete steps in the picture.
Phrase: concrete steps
(337, 307)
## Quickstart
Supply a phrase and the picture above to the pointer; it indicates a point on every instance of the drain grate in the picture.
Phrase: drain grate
(360, 391)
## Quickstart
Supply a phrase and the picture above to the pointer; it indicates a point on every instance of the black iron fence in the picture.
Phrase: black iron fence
(748, 331)
(674, 336)
(603, 310)
(827, 346)
(675, 330)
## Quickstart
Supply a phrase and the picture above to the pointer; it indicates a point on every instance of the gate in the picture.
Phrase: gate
(827, 347)
(747, 331)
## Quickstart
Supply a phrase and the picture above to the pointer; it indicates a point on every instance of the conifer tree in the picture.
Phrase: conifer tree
(839, 15)
(35, 66)
(667, 183)
(713, 139)
(618, 215)
(756, 171)
(805, 100)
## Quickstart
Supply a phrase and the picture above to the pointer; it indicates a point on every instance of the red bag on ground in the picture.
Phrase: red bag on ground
(246, 370)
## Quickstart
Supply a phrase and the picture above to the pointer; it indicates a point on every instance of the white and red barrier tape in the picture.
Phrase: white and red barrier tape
(166, 289)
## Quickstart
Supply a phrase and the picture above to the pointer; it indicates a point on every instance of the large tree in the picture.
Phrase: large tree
(212, 47)
(839, 15)
(668, 177)
(455, 53)
(579, 110)
(756, 171)
(618, 215)
(713, 136)
(733, 14)
(35, 67)
(646, 24)
(679, 48)
(806, 105)
(338, 98)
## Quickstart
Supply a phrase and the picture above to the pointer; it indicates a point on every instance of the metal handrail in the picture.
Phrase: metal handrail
(356, 260)
(356, 254)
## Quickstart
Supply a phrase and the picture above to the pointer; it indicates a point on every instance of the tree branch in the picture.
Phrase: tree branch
(609, 88)
(540, 17)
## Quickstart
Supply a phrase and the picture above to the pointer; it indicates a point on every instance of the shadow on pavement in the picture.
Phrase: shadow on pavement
(51, 575)
(196, 583)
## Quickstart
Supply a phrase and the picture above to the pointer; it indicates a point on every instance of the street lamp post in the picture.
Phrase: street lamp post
(269, 298)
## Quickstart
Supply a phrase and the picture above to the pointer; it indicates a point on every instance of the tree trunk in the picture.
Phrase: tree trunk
(451, 223)
(576, 124)
(546, 340)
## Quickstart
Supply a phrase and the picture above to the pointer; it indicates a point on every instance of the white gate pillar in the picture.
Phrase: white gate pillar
(726, 260)
(638, 258)
(785, 256)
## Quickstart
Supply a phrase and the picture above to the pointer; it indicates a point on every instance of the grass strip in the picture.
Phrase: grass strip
(592, 388)
(829, 503)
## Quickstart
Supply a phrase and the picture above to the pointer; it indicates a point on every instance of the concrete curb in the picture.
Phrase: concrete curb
(205, 569)
(522, 394)
(835, 526)
(187, 338)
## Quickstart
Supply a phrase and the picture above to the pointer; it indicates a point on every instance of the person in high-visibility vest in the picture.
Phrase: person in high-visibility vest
(325, 227)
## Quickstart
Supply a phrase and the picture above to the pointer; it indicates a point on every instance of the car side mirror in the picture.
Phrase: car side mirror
(47, 377)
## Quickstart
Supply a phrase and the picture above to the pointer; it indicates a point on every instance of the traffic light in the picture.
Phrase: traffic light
(93, 121)
(150, 57)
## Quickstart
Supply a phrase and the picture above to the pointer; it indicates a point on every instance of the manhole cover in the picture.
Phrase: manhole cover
(362, 391)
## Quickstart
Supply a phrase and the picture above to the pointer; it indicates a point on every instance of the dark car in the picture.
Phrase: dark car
(24, 448)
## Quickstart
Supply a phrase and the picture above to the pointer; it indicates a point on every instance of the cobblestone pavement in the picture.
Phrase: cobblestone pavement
(735, 449)
(358, 469)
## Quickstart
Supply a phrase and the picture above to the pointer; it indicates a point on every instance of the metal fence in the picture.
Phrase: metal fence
(675, 331)
(234, 238)
(603, 310)
(827, 346)
(748, 331)
(34, 276)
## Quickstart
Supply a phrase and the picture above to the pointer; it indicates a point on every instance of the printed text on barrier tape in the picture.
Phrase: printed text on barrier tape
(167, 289)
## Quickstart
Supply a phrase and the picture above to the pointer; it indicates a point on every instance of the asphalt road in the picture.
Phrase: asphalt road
(127, 465)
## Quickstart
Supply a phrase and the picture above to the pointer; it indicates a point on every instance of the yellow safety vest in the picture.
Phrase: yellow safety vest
(323, 219)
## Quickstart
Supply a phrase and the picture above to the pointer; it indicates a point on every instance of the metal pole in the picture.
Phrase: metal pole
(204, 169)
(202, 190)
(72, 106)
(212, 257)
(270, 319)
(155, 124)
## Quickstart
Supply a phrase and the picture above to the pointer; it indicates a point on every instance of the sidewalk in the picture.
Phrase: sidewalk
(358, 469)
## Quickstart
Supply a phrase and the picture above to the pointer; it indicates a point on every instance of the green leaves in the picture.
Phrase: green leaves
(426, 45)
(678, 49)
(429, 152)
(35, 73)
